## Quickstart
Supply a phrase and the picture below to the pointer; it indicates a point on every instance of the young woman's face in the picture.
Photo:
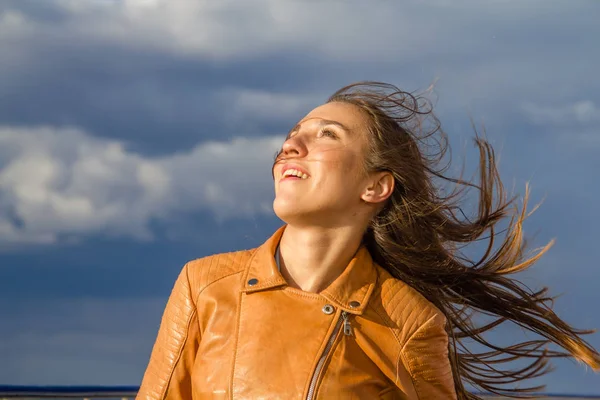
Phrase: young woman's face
(319, 175)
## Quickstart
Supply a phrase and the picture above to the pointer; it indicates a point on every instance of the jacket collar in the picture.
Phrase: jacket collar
(350, 291)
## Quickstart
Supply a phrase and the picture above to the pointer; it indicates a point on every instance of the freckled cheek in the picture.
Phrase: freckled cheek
(345, 162)
(339, 172)
(333, 155)
(332, 164)
(352, 164)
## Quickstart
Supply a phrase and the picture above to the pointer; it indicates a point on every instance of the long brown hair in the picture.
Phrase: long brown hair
(419, 234)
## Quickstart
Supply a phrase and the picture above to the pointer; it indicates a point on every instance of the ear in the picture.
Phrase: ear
(380, 187)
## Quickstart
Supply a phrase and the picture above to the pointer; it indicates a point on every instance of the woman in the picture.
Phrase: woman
(364, 293)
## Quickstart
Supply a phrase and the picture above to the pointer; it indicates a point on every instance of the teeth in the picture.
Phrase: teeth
(295, 172)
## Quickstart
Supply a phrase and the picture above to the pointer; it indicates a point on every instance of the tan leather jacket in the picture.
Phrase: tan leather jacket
(232, 329)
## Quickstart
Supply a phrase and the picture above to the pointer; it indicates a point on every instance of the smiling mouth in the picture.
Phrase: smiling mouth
(294, 173)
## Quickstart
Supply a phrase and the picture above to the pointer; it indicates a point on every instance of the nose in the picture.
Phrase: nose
(294, 147)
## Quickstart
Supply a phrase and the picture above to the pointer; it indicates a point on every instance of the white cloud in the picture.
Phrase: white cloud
(482, 52)
(62, 182)
(264, 105)
(575, 127)
(583, 112)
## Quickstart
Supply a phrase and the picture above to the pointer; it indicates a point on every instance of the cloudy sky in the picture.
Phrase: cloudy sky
(136, 135)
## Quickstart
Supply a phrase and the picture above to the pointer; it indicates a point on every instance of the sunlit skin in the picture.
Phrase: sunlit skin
(328, 208)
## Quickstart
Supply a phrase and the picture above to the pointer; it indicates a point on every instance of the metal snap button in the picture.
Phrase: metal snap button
(328, 309)
(354, 304)
(252, 282)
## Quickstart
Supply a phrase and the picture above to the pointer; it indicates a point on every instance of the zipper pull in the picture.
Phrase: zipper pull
(347, 325)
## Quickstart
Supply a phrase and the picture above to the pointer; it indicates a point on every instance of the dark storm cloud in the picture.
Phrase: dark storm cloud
(157, 105)
(160, 102)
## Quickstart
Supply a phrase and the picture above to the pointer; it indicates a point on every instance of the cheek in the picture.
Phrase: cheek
(352, 165)
(337, 155)
(342, 168)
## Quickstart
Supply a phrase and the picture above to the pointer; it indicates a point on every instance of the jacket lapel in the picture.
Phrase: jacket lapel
(351, 291)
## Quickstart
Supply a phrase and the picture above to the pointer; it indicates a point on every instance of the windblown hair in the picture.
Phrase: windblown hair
(420, 233)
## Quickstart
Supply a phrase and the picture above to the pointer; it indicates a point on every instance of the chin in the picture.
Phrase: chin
(292, 213)
(285, 210)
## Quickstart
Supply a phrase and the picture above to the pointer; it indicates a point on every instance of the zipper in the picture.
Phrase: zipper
(342, 321)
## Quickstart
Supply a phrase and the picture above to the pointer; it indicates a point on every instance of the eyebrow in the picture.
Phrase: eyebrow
(322, 123)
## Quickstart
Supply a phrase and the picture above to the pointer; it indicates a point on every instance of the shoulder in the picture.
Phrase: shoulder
(405, 309)
(202, 272)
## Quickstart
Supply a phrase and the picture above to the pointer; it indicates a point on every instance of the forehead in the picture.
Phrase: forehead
(348, 115)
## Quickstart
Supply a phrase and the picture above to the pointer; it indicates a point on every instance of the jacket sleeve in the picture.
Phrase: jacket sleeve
(168, 374)
(425, 357)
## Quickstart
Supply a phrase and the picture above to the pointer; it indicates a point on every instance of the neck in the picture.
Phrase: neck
(312, 258)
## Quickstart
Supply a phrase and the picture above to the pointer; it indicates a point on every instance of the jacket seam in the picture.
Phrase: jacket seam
(203, 288)
(235, 345)
(387, 318)
(185, 340)
(403, 357)
(183, 343)
(186, 267)
(237, 328)
(310, 296)
(417, 332)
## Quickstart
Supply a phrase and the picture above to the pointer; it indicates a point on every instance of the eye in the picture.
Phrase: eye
(326, 132)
